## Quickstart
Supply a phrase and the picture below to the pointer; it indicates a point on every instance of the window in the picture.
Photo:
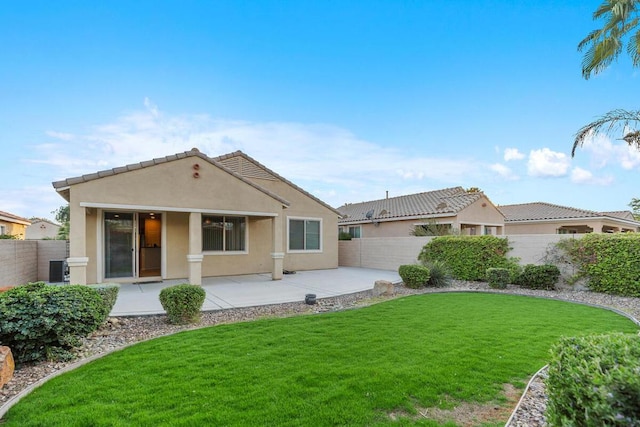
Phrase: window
(224, 233)
(304, 234)
(354, 231)
(3, 230)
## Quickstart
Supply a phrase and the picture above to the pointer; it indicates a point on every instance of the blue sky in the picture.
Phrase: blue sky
(347, 99)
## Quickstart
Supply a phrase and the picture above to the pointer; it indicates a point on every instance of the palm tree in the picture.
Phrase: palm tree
(622, 23)
(611, 121)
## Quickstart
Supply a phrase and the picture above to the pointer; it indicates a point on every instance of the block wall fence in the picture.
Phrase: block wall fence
(389, 253)
(23, 261)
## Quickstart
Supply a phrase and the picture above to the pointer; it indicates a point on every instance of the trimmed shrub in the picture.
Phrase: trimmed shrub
(414, 276)
(538, 277)
(109, 294)
(609, 262)
(45, 322)
(595, 381)
(183, 303)
(468, 257)
(498, 278)
(439, 275)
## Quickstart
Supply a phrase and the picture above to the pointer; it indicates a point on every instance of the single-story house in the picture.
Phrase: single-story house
(547, 218)
(13, 225)
(191, 216)
(448, 210)
(41, 228)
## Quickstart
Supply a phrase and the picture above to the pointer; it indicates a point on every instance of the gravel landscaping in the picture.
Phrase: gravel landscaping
(122, 331)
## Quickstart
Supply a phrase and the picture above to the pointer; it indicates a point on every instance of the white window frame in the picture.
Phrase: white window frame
(223, 251)
(304, 251)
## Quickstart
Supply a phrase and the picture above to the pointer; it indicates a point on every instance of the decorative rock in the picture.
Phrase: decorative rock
(383, 287)
(7, 365)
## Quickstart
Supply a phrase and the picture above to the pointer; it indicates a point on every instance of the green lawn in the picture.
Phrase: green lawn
(347, 368)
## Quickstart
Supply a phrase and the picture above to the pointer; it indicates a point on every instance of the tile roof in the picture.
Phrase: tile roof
(428, 204)
(538, 211)
(62, 186)
(9, 217)
(265, 175)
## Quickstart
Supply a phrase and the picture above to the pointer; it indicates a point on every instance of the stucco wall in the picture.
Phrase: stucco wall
(28, 261)
(41, 230)
(391, 252)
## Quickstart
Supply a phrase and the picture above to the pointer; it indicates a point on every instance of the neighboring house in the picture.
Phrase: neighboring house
(452, 209)
(41, 228)
(191, 216)
(13, 225)
(547, 218)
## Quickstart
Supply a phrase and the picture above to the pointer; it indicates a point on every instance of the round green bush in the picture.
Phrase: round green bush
(414, 276)
(45, 322)
(183, 303)
(498, 278)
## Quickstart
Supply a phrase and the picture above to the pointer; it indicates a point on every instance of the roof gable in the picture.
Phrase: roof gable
(62, 186)
(248, 167)
(448, 201)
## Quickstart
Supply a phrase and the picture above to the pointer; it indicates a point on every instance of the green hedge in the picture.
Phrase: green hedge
(468, 257)
(595, 381)
(414, 276)
(109, 294)
(609, 262)
(39, 321)
(183, 303)
(538, 277)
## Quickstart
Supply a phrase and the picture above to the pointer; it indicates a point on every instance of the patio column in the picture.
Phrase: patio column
(195, 257)
(78, 259)
(278, 248)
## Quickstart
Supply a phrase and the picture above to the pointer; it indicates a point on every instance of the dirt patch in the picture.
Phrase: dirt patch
(469, 414)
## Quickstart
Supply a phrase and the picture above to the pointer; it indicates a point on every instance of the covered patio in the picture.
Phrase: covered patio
(225, 292)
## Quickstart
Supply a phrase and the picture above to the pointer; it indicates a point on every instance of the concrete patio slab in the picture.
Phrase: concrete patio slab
(136, 299)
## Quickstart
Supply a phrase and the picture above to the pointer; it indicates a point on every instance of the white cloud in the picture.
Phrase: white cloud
(330, 161)
(60, 135)
(583, 176)
(546, 163)
(503, 171)
(512, 154)
(603, 151)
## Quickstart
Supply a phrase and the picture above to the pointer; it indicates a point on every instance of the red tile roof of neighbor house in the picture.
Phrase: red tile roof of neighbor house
(546, 211)
(9, 217)
(448, 201)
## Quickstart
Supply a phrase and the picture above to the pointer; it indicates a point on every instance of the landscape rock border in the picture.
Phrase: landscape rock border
(119, 333)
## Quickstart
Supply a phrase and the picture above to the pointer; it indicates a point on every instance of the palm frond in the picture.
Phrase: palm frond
(605, 44)
(608, 123)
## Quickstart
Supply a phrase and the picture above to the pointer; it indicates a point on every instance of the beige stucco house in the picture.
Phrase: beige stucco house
(191, 216)
(547, 218)
(455, 209)
(13, 225)
(41, 228)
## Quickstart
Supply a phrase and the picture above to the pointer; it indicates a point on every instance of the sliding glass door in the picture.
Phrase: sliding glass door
(119, 244)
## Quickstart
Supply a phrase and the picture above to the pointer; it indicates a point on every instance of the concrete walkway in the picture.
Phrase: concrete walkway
(254, 289)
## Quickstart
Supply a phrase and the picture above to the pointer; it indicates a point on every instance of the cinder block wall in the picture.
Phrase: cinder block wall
(18, 262)
(23, 261)
(389, 253)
